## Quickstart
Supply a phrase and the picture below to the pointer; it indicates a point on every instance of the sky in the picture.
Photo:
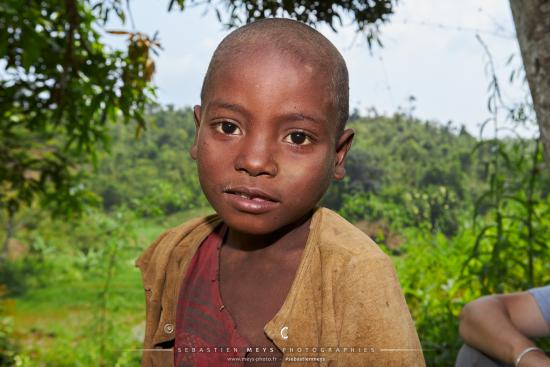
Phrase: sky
(430, 51)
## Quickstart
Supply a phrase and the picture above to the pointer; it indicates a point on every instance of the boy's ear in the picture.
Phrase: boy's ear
(342, 148)
(197, 117)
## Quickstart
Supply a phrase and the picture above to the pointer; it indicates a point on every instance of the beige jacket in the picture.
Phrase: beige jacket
(345, 295)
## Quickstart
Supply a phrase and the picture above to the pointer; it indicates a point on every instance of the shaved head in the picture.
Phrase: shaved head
(295, 40)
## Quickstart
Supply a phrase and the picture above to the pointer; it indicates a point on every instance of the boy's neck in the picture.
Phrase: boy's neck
(290, 237)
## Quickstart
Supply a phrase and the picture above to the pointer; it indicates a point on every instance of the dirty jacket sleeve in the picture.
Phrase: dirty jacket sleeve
(377, 318)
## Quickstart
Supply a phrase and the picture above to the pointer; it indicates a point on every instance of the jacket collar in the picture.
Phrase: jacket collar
(186, 245)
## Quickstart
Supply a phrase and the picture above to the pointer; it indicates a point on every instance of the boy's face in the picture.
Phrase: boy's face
(266, 144)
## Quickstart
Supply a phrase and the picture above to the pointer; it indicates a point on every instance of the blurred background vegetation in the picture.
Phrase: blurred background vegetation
(93, 170)
(422, 191)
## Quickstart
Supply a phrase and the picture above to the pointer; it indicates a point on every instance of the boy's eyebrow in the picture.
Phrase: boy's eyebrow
(229, 106)
(293, 116)
(300, 117)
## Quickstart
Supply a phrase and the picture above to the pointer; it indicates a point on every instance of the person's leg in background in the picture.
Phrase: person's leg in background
(470, 357)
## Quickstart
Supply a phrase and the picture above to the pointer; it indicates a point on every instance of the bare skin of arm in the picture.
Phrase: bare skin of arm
(501, 325)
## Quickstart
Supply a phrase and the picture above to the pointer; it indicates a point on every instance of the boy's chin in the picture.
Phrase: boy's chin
(259, 225)
(252, 226)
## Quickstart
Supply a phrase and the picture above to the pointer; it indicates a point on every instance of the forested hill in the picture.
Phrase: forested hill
(400, 170)
(459, 218)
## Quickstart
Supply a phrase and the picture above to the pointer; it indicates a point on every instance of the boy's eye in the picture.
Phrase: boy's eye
(227, 128)
(298, 138)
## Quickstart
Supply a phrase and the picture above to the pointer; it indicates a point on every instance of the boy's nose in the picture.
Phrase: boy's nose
(256, 159)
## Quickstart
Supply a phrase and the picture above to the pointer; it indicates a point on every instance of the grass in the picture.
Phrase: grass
(63, 312)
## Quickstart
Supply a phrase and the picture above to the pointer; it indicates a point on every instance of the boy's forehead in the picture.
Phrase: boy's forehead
(250, 53)
(253, 59)
(272, 68)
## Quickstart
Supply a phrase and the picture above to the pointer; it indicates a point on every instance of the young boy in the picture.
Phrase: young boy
(273, 279)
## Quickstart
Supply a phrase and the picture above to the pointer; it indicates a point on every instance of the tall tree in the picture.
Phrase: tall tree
(60, 87)
(532, 20)
(367, 16)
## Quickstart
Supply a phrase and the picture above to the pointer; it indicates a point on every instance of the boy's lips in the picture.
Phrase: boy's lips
(250, 199)
(250, 193)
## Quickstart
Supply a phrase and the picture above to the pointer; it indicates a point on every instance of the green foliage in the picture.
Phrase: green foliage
(503, 249)
(9, 347)
(435, 294)
(437, 286)
(147, 183)
(95, 279)
(60, 87)
(409, 173)
(20, 275)
(513, 230)
(153, 175)
(367, 16)
(511, 246)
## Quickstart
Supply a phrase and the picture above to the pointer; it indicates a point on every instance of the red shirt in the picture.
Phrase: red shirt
(205, 333)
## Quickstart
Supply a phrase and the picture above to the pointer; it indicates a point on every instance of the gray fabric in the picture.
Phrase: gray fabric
(470, 357)
(542, 296)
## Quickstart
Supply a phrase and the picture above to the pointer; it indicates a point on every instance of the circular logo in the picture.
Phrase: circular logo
(284, 332)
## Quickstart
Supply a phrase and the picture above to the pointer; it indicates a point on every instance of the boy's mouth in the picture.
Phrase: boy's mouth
(249, 193)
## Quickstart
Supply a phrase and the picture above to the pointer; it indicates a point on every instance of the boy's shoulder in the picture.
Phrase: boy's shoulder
(333, 233)
(339, 236)
(184, 233)
(335, 238)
